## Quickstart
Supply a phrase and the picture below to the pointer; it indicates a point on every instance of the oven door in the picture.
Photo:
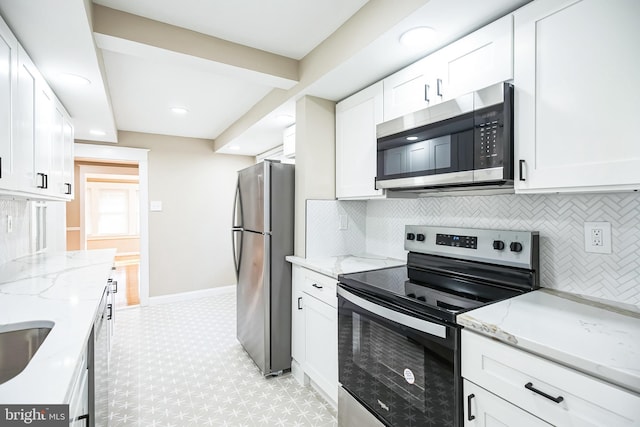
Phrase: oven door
(401, 367)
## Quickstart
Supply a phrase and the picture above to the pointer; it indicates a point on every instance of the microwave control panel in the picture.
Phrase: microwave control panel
(489, 139)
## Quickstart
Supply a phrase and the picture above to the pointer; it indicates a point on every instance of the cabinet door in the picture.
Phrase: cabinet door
(46, 179)
(8, 90)
(484, 409)
(577, 88)
(482, 58)
(321, 345)
(67, 157)
(297, 316)
(410, 89)
(356, 120)
(24, 121)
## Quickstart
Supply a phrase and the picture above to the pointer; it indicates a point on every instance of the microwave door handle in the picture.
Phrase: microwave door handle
(425, 326)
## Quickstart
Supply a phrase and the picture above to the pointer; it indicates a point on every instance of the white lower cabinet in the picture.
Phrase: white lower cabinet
(315, 330)
(79, 394)
(554, 393)
(484, 409)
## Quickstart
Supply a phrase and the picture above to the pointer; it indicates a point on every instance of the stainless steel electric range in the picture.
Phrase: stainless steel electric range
(398, 340)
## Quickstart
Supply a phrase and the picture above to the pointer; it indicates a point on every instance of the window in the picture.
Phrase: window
(111, 208)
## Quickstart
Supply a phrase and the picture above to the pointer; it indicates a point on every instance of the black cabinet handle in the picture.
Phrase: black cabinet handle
(110, 308)
(529, 386)
(84, 417)
(315, 285)
(520, 169)
(43, 180)
(299, 303)
(469, 416)
(426, 92)
(68, 188)
(439, 87)
(115, 286)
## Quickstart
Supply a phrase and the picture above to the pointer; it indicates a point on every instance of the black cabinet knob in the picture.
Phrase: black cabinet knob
(498, 245)
(420, 237)
(411, 236)
(516, 247)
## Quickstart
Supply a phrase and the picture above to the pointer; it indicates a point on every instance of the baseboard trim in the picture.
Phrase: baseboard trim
(185, 296)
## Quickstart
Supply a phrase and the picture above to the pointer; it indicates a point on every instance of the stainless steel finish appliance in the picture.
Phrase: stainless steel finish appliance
(262, 237)
(462, 144)
(398, 339)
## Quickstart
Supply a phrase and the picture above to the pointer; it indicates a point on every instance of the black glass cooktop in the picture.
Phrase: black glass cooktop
(393, 286)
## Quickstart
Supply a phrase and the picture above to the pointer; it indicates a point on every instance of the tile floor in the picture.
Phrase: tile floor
(180, 365)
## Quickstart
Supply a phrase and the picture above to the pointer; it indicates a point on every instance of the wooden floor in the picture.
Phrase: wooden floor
(129, 265)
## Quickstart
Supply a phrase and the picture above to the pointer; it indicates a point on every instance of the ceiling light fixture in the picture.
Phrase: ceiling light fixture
(97, 132)
(179, 110)
(412, 138)
(73, 79)
(418, 37)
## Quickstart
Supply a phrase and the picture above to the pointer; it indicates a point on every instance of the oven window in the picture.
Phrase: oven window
(407, 377)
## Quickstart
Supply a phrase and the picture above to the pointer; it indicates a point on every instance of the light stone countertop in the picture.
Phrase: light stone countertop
(335, 265)
(588, 336)
(64, 288)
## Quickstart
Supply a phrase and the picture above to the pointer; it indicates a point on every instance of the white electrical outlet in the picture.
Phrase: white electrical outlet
(597, 237)
(344, 222)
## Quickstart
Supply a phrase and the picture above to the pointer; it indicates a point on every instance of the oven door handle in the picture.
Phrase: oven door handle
(421, 325)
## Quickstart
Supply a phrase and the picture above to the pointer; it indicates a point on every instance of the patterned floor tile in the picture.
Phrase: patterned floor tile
(180, 365)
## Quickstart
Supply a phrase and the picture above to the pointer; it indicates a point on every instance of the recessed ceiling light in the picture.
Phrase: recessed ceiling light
(97, 132)
(179, 110)
(418, 37)
(412, 138)
(73, 79)
(234, 147)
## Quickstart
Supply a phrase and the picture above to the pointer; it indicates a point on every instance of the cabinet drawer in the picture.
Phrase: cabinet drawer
(531, 382)
(321, 287)
(484, 409)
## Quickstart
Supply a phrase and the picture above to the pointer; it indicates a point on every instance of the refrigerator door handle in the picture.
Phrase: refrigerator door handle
(238, 220)
(237, 252)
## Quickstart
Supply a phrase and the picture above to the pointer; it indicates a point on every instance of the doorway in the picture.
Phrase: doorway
(105, 213)
(110, 211)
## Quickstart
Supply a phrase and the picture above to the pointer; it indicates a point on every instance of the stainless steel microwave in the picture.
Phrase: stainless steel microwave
(465, 143)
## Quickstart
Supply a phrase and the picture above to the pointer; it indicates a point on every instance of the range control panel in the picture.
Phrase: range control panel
(505, 247)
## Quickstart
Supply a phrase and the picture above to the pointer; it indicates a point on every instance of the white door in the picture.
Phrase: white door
(577, 89)
(356, 120)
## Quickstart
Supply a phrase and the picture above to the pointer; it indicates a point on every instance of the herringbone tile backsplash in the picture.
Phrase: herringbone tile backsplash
(560, 220)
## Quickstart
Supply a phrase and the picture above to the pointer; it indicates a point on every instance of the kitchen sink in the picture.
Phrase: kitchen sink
(19, 342)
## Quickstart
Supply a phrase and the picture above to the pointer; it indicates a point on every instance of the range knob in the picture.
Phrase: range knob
(498, 245)
(515, 247)
(411, 295)
(420, 237)
(411, 236)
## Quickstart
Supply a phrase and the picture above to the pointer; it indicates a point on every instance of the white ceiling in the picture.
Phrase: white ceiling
(133, 83)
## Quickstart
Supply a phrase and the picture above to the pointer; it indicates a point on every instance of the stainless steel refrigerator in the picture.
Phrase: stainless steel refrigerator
(262, 237)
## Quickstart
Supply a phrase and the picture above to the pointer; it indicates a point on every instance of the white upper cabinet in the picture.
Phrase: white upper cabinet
(356, 120)
(482, 58)
(576, 96)
(413, 88)
(36, 134)
(24, 121)
(478, 60)
(8, 89)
